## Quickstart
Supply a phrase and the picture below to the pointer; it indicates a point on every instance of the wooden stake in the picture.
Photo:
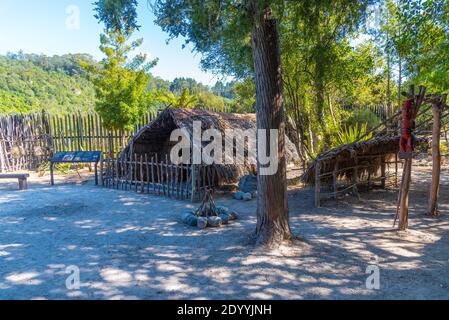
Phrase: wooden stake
(317, 184)
(382, 172)
(436, 157)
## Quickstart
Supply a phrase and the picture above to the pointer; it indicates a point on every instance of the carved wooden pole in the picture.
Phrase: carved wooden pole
(406, 151)
(437, 108)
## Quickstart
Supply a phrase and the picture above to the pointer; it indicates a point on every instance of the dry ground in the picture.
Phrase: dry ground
(129, 246)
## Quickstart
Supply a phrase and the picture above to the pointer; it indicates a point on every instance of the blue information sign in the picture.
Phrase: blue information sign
(78, 157)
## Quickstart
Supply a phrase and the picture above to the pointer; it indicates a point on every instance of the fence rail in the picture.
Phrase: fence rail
(26, 141)
(384, 112)
(145, 174)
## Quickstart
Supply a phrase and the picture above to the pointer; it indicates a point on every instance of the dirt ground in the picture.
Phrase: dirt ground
(133, 246)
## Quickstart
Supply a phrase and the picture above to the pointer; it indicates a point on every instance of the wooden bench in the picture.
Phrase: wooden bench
(22, 177)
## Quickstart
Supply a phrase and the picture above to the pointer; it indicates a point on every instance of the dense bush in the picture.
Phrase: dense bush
(363, 116)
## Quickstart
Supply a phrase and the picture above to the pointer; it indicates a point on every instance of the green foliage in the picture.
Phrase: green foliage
(349, 134)
(425, 41)
(244, 93)
(364, 117)
(209, 101)
(224, 90)
(444, 148)
(30, 83)
(117, 15)
(185, 100)
(121, 83)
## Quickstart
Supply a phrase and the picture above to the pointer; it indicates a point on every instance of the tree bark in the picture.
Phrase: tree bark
(436, 159)
(272, 207)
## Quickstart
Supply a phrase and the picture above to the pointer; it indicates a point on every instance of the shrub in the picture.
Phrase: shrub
(363, 116)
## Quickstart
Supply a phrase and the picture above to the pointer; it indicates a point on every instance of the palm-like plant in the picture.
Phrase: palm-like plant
(185, 100)
(349, 134)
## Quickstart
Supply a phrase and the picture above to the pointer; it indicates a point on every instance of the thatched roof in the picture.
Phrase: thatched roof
(366, 152)
(154, 138)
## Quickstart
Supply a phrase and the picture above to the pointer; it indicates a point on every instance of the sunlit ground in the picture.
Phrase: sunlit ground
(132, 246)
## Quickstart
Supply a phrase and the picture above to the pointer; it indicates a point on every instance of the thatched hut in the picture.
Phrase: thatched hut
(152, 143)
(349, 167)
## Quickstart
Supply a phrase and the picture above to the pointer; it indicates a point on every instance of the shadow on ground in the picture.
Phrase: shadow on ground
(132, 246)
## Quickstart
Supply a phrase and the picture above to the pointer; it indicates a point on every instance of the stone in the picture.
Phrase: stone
(189, 218)
(238, 195)
(247, 196)
(201, 222)
(214, 221)
(185, 216)
(233, 215)
(189, 210)
(224, 218)
(222, 210)
(248, 184)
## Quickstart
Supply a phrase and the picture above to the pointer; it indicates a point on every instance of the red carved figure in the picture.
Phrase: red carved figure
(408, 124)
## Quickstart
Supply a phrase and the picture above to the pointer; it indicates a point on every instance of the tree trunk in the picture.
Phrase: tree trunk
(436, 160)
(272, 207)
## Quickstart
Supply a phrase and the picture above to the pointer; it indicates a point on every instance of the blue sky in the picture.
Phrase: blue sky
(40, 26)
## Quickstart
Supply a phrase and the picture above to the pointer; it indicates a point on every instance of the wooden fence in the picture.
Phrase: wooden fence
(384, 112)
(27, 141)
(143, 174)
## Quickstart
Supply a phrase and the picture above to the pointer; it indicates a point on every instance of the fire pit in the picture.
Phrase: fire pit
(208, 214)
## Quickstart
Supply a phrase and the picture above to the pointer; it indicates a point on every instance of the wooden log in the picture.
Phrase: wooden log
(158, 174)
(334, 181)
(177, 181)
(123, 171)
(101, 170)
(355, 177)
(404, 196)
(142, 181)
(167, 176)
(382, 172)
(152, 175)
(181, 181)
(147, 171)
(194, 178)
(407, 168)
(317, 184)
(437, 108)
(135, 172)
(396, 169)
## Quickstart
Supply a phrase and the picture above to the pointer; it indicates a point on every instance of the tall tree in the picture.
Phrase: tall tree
(120, 81)
(320, 63)
(242, 38)
(424, 41)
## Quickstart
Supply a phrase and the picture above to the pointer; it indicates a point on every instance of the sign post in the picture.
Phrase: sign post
(78, 157)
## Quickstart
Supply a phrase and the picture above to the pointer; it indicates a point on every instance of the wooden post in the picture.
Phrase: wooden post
(396, 170)
(142, 181)
(334, 180)
(405, 188)
(317, 184)
(152, 175)
(52, 179)
(194, 177)
(407, 168)
(355, 177)
(147, 171)
(437, 107)
(96, 173)
(135, 172)
(382, 172)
